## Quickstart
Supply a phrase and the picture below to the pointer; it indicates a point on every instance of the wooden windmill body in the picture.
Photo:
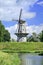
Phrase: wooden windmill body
(21, 34)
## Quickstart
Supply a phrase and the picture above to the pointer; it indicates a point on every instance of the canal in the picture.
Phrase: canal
(31, 59)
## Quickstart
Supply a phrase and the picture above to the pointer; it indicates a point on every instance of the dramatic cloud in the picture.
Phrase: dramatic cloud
(10, 9)
(29, 29)
(40, 3)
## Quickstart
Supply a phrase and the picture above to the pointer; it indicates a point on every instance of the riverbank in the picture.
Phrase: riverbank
(10, 52)
(24, 47)
(9, 59)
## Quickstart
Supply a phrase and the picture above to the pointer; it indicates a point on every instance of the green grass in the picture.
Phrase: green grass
(30, 47)
(9, 59)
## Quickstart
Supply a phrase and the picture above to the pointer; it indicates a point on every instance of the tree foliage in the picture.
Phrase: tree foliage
(4, 34)
(41, 36)
(36, 37)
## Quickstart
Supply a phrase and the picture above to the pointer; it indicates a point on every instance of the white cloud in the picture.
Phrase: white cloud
(29, 15)
(34, 28)
(40, 3)
(10, 9)
(30, 29)
(12, 30)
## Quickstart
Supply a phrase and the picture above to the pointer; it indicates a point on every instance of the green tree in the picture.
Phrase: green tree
(2, 30)
(4, 34)
(13, 40)
(33, 38)
(41, 36)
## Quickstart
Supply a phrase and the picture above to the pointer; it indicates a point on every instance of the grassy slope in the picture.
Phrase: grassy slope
(21, 46)
(9, 59)
(12, 58)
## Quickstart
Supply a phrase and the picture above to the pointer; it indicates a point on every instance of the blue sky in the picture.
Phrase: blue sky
(32, 13)
(37, 20)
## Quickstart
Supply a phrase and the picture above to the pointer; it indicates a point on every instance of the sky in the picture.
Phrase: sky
(32, 13)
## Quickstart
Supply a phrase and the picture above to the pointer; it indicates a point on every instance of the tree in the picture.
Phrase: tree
(13, 40)
(2, 29)
(41, 36)
(33, 38)
(4, 34)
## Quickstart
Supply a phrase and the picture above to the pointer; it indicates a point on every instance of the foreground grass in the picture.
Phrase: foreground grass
(31, 47)
(9, 59)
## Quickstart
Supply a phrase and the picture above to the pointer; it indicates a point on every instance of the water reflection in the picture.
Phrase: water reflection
(28, 59)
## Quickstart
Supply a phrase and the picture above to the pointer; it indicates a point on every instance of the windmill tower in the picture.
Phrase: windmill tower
(21, 34)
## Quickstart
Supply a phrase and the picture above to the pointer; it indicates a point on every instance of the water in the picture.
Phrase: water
(29, 59)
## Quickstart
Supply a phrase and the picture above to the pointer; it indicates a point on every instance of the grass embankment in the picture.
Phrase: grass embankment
(30, 47)
(9, 59)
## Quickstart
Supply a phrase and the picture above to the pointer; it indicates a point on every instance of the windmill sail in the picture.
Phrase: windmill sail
(19, 20)
(20, 16)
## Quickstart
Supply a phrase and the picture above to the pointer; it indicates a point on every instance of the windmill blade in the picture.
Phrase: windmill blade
(20, 15)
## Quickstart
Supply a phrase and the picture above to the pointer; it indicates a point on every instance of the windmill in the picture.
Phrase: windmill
(21, 34)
